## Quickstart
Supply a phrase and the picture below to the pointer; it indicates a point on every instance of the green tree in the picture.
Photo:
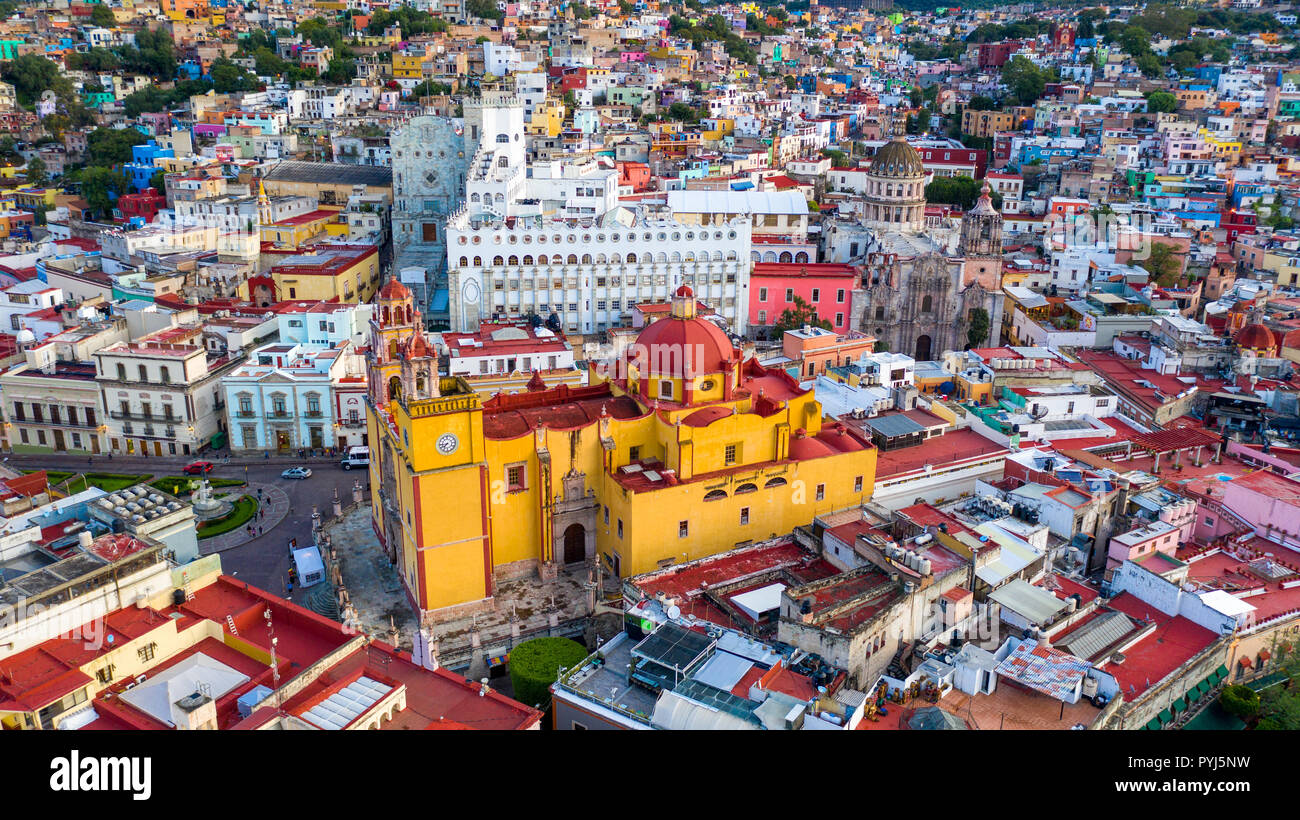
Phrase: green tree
(1025, 80)
(1163, 263)
(791, 82)
(535, 665)
(101, 187)
(1149, 65)
(1161, 102)
(319, 32)
(341, 70)
(958, 190)
(796, 317)
(484, 9)
(1240, 702)
(110, 146)
(916, 96)
(97, 60)
(36, 171)
(9, 149)
(152, 54)
(228, 77)
(978, 332)
(32, 75)
(102, 16)
(881, 346)
(981, 102)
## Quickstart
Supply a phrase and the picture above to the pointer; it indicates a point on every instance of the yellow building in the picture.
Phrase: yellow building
(298, 230)
(408, 66)
(323, 272)
(548, 118)
(682, 450)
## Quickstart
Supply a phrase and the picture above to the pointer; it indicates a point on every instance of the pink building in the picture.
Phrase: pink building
(1268, 502)
(1136, 545)
(827, 287)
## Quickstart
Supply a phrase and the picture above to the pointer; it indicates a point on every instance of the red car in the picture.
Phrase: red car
(200, 468)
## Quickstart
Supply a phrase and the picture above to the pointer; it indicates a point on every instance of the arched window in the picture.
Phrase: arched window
(528, 260)
(801, 257)
(474, 197)
(392, 349)
(410, 314)
(501, 197)
(394, 388)
(773, 483)
(543, 260)
(586, 259)
(715, 495)
(573, 259)
(785, 258)
(464, 261)
(478, 261)
(631, 258)
(503, 138)
(385, 314)
(514, 260)
(503, 162)
(746, 488)
(419, 384)
(497, 261)
(927, 304)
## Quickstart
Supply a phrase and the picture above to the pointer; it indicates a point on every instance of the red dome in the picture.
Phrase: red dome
(806, 447)
(394, 289)
(684, 291)
(671, 343)
(1256, 337)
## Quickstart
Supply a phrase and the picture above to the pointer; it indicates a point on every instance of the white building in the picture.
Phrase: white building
(552, 238)
(293, 396)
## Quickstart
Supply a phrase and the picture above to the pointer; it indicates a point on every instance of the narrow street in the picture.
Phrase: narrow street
(263, 561)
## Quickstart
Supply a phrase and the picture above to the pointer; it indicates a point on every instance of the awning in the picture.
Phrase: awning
(1165, 716)
(1220, 673)
(1153, 723)
(1264, 656)
(1200, 690)
(1244, 661)
(1179, 705)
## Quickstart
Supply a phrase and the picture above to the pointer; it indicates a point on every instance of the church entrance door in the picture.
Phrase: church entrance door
(575, 544)
(922, 348)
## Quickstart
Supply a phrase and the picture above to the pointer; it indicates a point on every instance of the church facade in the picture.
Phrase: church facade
(922, 283)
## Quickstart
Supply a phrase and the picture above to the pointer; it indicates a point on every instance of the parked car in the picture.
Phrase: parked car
(296, 472)
(200, 468)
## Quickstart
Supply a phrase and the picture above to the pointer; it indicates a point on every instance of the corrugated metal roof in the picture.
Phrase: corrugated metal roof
(1044, 669)
(1036, 605)
(1091, 638)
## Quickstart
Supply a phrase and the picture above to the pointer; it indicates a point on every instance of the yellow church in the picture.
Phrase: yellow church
(678, 450)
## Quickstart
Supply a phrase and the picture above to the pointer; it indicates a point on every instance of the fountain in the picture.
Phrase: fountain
(207, 507)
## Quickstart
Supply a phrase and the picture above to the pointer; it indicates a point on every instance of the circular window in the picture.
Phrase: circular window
(600, 237)
(707, 384)
(513, 239)
(615, 238)
(477, 239)
(677, 237)
(463, 240)
(586, 237)
(557, 239)
(731, 235)
(662, 236)
(646, 237)
(572, 239)
(496, 239)
(541, 240)
(442, 153)
(460, 154)
(528, 239)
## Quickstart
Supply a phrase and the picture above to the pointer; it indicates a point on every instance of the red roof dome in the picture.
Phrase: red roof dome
(806, 447)
(1256, 337)
(684, 291)
(696, 345)
(394, 289)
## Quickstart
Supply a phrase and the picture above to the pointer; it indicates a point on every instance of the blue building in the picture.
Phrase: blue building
(143, 164)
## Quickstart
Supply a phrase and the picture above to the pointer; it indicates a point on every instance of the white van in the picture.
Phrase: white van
(356, 457)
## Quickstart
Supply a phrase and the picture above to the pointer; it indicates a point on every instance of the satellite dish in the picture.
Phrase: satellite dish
(674, 612)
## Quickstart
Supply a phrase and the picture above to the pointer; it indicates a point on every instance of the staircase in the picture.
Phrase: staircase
(230, 624)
